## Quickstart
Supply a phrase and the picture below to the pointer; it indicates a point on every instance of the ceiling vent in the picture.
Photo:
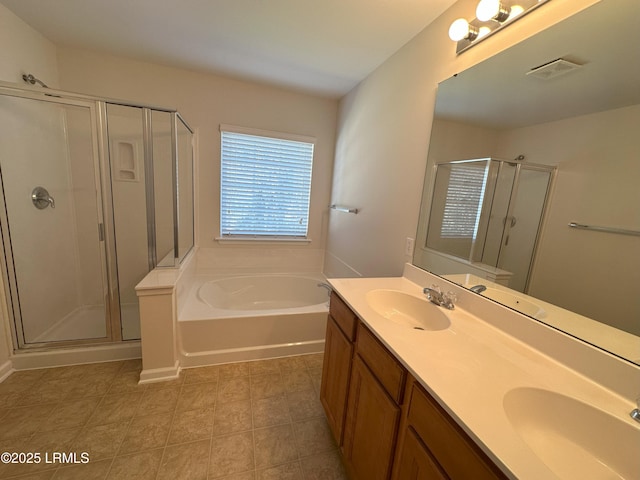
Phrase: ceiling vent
(553, 69)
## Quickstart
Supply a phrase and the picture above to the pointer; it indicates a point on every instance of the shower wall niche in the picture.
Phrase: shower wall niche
(94, 193)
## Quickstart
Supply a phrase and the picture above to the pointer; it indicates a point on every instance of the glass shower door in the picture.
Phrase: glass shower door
(52, 229)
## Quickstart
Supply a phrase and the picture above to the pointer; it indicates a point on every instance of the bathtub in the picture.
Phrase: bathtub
(247, 317)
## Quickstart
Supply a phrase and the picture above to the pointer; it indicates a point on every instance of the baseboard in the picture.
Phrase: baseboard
(155, 375)
(26, 360)
(262, 352)
(6, 369)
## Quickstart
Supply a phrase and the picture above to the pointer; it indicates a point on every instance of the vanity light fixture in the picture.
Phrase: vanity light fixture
(491, 16)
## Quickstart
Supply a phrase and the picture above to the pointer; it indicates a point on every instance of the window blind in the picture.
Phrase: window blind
(465, 193)
(265, 186)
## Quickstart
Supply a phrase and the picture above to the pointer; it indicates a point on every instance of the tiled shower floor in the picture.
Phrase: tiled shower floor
(241, 421)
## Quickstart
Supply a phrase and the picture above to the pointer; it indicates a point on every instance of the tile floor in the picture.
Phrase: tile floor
(242, 421)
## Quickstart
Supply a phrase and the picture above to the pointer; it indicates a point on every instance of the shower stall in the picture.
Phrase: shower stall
(490, 212)
(94, 193)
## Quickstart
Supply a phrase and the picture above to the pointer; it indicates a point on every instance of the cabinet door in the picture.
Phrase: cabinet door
(336, 370)
(371, 426)
(415, 462)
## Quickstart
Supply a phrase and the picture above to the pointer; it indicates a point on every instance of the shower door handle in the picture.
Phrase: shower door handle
(41, 198)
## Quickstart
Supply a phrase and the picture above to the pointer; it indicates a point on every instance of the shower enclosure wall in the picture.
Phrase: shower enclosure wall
(489, 212)
(94, 193)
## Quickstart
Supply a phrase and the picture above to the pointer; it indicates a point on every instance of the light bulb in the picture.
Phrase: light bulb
(492, 10)
(515, 11)
(483, 31)
(460, 29)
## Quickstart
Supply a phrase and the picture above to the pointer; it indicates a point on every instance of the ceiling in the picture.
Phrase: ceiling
(498, 92)
(322, 46)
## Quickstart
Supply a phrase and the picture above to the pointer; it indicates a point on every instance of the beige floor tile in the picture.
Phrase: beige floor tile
(101, 441)
(201, 374)
(116, 408)
(47, 392)
(12, 445)
(98, 370)
(88, 386)
(325, 466)
(9, 400)
(234, 389)
(270, 411)
(268, 385)
(297, 380)
(288, 471)
(73, 413)
(251, 475)
(313, 436)
(126, 382)
(146, 433)
(175, 383)
(274, 446)
(133, 365)
(234, 370)
(23, 378)
(191, 425)
(289, 364)
(43, 444)
(139, 466)
(188, 461)
(231, 454)
(304, 404)
(197, 395)
(314, 360)
(264, 367)
(158, 401)
(232, 417)
(94, 470)
(38, 476)
(316, 378)
(24, 421)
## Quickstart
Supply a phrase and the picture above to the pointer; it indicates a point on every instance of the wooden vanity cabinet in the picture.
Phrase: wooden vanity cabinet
(336, 368)
(386, 424)
(373, 409)
(433, 446)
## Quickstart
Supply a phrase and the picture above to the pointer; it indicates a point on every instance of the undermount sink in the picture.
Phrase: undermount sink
(515, 302)
(407, 310)
(574, 439)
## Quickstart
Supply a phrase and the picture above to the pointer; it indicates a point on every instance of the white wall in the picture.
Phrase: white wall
(24, 50)
(383, 138)
(206, 101)
(597, 159)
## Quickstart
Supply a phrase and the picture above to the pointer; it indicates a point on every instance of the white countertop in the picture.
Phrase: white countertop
(471, 365)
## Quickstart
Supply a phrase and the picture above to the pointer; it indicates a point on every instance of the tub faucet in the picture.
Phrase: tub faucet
(635, 413)
(327, 286)
(435, 295)
(478, 288)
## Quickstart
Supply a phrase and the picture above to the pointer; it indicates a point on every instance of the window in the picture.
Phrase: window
(464, 200)
(265, 184)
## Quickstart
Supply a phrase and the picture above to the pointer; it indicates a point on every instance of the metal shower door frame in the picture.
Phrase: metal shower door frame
(104, 224)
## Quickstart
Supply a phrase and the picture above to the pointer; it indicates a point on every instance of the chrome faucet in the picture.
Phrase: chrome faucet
(327, 286)
(435, 295)
(635, 413)
(478, 288)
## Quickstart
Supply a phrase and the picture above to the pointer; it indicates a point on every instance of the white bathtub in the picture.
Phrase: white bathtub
(247, 317)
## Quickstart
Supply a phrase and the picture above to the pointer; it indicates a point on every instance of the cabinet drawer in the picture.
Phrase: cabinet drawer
(343, 316)
(458, 455)
(382, 363)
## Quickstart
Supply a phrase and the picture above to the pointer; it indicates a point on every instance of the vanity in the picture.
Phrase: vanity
(412, 390)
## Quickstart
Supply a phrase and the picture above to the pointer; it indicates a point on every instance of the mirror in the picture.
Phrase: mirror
(580, 113)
